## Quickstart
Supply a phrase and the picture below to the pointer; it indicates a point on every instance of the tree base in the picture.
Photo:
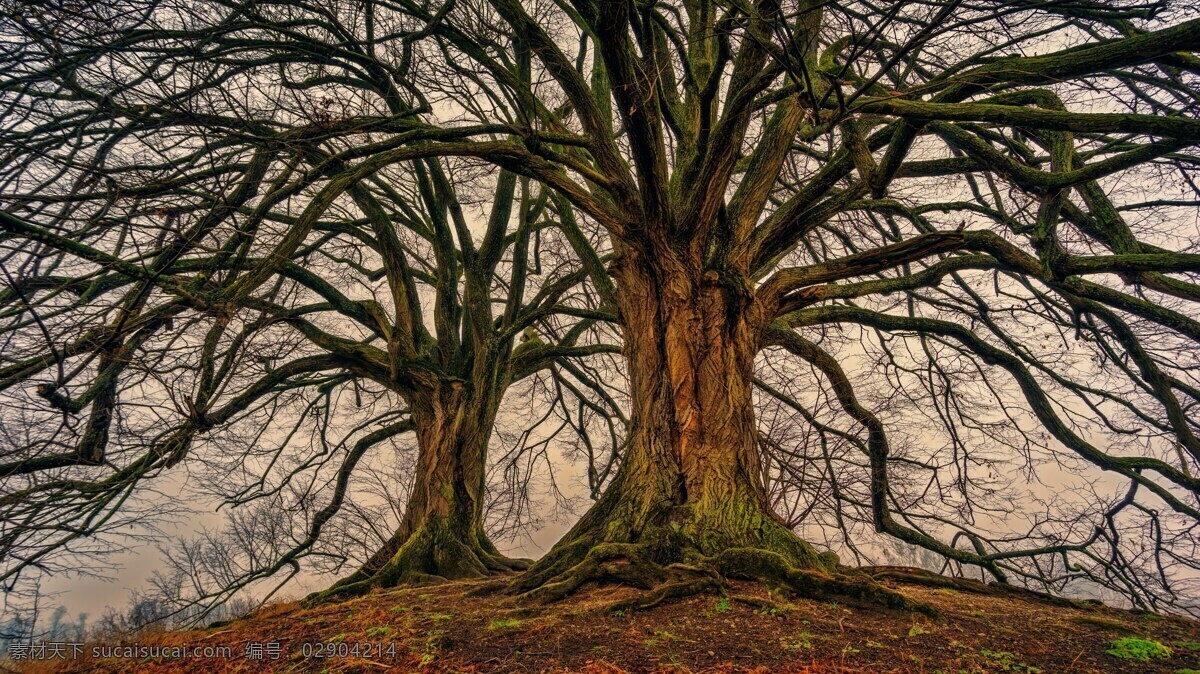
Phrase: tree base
(630, 564)
(683, 557)
(434, 553)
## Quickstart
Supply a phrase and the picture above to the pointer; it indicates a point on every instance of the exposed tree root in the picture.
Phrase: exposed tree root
(673, 590)
(632, 564)
(915, 576)
(626, 563)
(773, 568)
(672, 550)
(757, 603)
(435, 553)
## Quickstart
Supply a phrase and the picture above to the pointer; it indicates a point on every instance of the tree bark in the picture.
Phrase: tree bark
(691, 485)
(442, 534)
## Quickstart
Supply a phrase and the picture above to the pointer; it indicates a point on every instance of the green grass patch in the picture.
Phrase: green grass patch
(504, 624)
(800, 642)
(1189, 646)
(661, 638)
(1139, 649)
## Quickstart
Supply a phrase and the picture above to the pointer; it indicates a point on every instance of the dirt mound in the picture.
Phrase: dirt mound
(442, 628)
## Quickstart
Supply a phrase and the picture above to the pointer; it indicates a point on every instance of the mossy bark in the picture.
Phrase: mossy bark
(441, 536)
(691, 485)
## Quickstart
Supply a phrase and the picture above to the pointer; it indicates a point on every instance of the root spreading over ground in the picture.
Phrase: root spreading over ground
(632, 565)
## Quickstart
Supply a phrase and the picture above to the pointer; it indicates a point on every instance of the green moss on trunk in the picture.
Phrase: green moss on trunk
(437, 551)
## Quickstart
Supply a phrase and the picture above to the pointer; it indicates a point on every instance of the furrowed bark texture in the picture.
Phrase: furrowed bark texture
(691, 484)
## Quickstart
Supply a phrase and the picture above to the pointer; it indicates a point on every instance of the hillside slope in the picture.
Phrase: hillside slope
(442, 628)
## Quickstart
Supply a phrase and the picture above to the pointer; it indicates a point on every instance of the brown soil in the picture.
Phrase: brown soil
(442, 629)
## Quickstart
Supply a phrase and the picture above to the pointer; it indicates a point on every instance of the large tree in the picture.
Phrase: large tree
(214, 236)
(766, 171)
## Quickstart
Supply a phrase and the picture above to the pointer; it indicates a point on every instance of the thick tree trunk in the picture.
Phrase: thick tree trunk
(442, 534)
(691, 483)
